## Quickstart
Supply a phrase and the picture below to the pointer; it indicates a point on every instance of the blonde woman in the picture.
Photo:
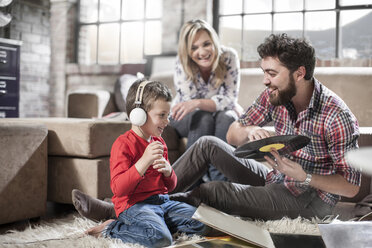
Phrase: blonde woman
(206, 79)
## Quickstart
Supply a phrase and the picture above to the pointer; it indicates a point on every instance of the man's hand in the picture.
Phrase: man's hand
(335, 184)
(238, 134)
(286, 166)
(163, 166)
(257, 133)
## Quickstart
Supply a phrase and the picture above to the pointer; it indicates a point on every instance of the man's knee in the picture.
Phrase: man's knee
(209, 142)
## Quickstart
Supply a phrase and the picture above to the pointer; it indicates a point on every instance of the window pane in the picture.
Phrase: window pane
(320, 4)
(356, 35)
(108, 44)
(257, 6)
(88, 10)
(288, 5)
(133, 9)
(288, 23)
(227, 7)
(154, 8)
(354, 2)
(153, 32)
(256, 29)
(109, 10)
(320, 29)
(230, 32)
(88, 44)
(131, 42)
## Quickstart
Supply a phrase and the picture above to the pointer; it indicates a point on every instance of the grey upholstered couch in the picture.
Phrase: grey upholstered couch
(79, 145)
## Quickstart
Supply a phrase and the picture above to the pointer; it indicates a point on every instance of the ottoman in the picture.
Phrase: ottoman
(23, 177)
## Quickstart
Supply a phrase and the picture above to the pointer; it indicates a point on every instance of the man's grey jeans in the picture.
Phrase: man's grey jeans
(246, 194)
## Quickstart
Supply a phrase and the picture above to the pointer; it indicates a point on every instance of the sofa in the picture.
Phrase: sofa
(78, 146)
(352, 84)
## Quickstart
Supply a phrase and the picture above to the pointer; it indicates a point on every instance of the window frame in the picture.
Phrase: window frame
(337, 9)
(97, 23)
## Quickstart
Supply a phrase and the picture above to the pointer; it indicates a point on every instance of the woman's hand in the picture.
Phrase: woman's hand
(180, 110)
(162, 166)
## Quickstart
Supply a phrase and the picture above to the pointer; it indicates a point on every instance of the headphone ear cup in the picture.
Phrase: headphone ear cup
(138, 116)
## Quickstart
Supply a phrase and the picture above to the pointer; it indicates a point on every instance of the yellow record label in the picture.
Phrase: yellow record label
(267, 148)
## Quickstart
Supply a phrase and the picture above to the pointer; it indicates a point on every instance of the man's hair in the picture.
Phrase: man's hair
(153, 91)
(187, 36)
(291, 52)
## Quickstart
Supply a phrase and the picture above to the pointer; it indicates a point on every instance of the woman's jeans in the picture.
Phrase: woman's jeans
(153, 221)
(201, 123)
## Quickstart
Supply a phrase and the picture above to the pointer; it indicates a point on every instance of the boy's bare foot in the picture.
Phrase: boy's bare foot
(97, 230)
(92, 208)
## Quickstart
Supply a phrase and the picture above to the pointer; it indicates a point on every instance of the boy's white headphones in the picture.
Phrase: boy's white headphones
(138, 115)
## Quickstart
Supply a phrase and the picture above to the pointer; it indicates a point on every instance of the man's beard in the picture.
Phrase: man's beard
(284, 96)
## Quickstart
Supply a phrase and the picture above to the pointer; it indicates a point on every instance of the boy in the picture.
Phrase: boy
(141, 176)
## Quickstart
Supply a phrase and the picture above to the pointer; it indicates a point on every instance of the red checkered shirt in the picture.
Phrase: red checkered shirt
(330, 125)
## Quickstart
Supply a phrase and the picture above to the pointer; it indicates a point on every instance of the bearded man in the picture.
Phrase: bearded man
(307, 182)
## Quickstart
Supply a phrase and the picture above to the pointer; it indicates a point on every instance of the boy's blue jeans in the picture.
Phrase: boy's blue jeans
(153, 221)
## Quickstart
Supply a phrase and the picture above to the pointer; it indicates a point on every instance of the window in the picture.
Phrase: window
(336, 28)
(118, 31)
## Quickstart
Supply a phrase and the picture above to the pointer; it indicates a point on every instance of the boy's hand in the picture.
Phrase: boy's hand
(154, 151)
(163, 166)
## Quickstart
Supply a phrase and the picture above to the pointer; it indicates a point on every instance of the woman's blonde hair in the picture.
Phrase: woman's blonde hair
(187, 35)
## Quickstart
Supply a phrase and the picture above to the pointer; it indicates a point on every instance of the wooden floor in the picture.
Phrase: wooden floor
(53, 210)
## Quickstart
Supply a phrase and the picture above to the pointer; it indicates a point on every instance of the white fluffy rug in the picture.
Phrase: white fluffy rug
(69, 232)
(60, 233)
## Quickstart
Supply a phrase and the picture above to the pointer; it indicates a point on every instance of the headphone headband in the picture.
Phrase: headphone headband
(138, 115)
(139, 93)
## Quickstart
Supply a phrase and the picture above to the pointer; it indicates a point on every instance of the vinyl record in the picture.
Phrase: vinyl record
(260, 148)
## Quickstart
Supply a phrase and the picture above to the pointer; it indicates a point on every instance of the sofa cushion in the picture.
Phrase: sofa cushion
(91, 176)
(166, 77)
(85, 138)
(365, 138)
(353, 85)
(175, 145)
(121, 88)
(90, 104)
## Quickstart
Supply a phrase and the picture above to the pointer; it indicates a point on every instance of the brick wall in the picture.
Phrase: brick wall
(30, 24)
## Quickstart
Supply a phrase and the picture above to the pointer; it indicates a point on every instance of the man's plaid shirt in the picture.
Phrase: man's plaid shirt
(330, 125)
